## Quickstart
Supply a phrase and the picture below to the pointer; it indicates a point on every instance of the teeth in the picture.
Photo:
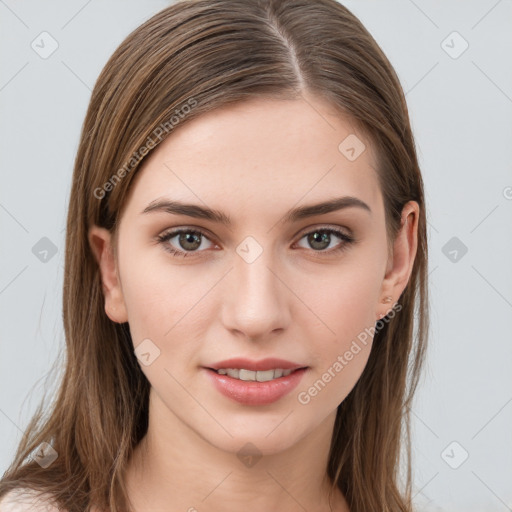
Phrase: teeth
(232, 372)
(249, 375)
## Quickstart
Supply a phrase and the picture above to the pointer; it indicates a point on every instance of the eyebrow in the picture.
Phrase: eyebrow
(200, 212)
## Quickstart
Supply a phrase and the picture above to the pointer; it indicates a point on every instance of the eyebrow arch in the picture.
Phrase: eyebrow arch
(199, 212)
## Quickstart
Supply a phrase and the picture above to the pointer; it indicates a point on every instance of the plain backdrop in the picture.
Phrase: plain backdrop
(454, 60)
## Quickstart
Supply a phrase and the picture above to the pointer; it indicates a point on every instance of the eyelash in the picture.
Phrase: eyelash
(165, 237)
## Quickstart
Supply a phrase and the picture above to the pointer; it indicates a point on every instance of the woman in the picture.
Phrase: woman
(246, 252)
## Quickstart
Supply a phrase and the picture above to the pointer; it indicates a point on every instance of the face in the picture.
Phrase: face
(268, 284)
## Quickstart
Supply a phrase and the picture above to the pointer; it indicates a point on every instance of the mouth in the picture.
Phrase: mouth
(256, 375)
(255, 387)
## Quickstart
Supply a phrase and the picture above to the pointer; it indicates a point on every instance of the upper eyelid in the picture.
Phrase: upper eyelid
(320, 227)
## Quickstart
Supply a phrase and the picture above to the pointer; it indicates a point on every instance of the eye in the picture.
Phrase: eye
(190, 240)
(321, 238)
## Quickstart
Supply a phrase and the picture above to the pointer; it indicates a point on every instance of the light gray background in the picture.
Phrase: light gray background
(461, 116)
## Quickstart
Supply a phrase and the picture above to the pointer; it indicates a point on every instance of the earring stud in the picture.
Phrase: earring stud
(388, 299)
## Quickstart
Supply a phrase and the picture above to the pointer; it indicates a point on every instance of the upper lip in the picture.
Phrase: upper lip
(270, 363)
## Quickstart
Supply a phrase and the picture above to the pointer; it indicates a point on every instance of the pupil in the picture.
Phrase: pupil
(319, 238)
(189, 238)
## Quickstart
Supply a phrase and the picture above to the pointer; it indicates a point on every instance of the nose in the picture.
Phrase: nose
(256, 303)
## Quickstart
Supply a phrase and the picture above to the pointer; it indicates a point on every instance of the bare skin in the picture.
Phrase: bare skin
(298, 300)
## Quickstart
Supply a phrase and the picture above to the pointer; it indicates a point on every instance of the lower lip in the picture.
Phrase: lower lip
(255, 393)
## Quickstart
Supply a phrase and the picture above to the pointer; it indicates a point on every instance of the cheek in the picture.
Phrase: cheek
(344, 299)
(346, 308)
(163, 300)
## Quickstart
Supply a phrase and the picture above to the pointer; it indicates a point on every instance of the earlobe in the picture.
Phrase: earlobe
(404, 254)
(100, 240)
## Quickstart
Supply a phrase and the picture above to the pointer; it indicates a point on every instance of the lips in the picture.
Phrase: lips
(270, 363)
(255, 393)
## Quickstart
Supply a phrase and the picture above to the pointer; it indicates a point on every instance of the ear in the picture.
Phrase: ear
(401, 262)
(100, 240)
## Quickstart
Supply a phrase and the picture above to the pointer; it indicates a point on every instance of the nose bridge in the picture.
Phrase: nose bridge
(257, 302)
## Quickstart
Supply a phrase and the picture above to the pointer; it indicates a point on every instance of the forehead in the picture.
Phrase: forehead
(263, 153)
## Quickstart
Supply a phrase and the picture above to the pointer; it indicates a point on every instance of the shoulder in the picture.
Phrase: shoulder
(27, 500)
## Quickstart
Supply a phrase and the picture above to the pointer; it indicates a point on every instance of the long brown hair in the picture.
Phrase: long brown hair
(205, 54)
